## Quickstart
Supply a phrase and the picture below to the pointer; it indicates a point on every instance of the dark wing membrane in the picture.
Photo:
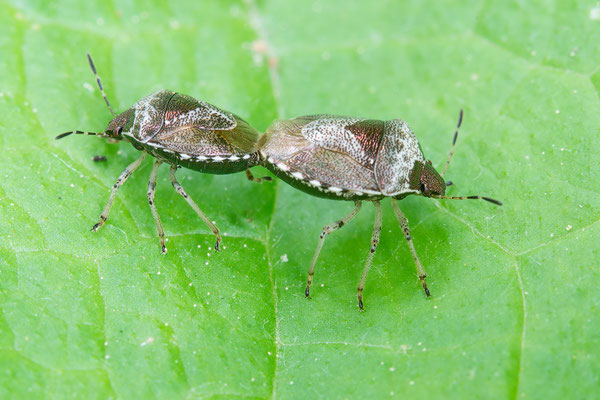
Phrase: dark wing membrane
(208, 129)
(283, 139)
(243, 138)
(193, 141)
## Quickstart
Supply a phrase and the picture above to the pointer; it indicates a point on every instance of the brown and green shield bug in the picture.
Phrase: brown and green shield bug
(345, 158)
(181, 131)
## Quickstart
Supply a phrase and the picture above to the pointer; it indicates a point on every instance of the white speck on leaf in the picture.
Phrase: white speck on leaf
(260, 46)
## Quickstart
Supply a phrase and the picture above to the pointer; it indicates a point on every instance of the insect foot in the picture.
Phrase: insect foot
(355, 159)
(181, 131)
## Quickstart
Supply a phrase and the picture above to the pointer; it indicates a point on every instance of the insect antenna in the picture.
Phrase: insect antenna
(436, 196)
(93, 67)
(460, 117)
(62, 135)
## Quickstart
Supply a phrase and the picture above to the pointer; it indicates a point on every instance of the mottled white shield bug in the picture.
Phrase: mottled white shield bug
(345, 158)
(184, 132)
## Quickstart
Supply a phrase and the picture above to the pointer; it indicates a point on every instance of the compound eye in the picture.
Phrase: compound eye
(118, 130)
(424, 189)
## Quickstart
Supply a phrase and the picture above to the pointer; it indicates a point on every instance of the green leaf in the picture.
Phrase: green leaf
(514, 311)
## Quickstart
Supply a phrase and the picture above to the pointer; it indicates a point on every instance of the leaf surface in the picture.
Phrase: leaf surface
(98, 315)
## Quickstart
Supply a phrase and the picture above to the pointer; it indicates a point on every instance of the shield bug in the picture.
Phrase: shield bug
(345, 158)
(181, 131)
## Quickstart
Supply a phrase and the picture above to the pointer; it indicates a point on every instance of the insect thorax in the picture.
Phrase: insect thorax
(399, 150)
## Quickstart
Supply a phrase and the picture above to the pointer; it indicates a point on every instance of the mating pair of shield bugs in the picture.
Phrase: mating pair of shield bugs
(329, 156)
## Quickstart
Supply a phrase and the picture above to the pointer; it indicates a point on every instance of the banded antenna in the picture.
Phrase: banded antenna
(437, 196)
(460, 117)
(62, 135)
(93, 67)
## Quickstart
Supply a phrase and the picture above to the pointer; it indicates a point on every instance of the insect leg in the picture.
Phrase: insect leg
(151, 187)
(374, 243)
(327, 229)
(121, 180)
(179, 189)
(253, 179)
(406, 230)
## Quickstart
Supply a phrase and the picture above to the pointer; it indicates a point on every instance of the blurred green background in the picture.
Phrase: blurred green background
(514, 312)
